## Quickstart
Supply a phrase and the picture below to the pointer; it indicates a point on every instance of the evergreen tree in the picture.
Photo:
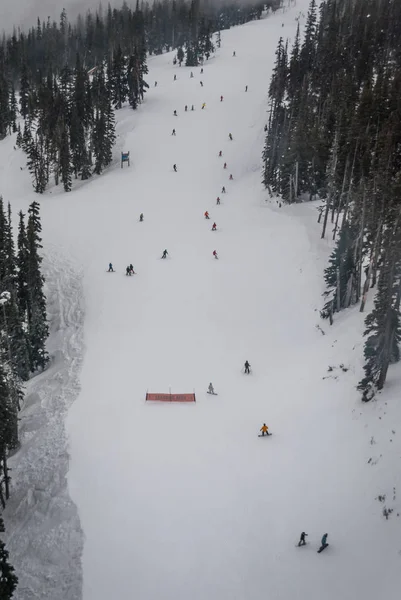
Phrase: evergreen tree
(65, 161)
(8, 579)
(38, 330)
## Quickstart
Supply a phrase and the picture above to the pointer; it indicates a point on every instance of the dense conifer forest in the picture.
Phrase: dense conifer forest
(334, 133)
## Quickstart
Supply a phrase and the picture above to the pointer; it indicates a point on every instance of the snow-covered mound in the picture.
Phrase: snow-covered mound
(185, 501)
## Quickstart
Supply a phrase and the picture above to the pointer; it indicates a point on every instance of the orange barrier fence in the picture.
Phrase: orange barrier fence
(171, 397)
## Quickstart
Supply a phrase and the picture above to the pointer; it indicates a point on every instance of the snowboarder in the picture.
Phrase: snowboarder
(214, 227)
(131, 270)
(225, 166)
(221, 98)
(324, 543)
(218, 200)
(302, 540)
(211, 389)
(173, 132)
(231, 177)
(223, 190)
(207, 215)
(230, 137)
(191, 74)
(128, 271)
(264, 429)
(155, 83)
(246, 88)
(201, 83)
(247, 367)
(175, 113)
(234, 53)
(175, 77)
(175, 168)
(186, 108)
(141, 217)
(192, 107)
(215, 254)
(110, 270)
(203, 105)
(164, 255)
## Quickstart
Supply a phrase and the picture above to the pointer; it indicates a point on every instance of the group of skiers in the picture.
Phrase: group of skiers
(323, 544)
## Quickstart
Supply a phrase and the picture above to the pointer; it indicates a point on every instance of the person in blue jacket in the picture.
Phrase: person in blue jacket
(324, 543)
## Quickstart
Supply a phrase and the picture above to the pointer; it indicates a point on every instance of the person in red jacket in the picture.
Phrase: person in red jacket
(215, 254)
(214, 227)
(207, 215)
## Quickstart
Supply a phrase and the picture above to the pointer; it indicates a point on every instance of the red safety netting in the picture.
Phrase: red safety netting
(171, 397)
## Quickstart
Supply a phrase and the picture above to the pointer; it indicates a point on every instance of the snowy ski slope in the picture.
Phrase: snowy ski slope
(185, 501)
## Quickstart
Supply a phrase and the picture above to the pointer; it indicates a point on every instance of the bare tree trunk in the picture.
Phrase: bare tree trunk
(340, 199)
(370, 269)
(332, 174)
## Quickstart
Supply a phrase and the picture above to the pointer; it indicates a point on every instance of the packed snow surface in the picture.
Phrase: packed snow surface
(186, 501)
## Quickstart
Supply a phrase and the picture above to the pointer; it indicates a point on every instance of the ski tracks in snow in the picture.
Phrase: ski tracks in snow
(44, 534)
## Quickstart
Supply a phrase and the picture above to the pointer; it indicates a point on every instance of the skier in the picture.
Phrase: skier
(192, 107)
(221, 98)
(265, 127)
(223, 190)
(218, 200)
(131, 270)
(201, 83)
(207, 215)
(191, 74)
(173, 132)
(302, 541)
(234, 53)
(141, 217)
(221, 153)
(231, 177)
(246, 88)
(175, 168)
(230, 137)
(175, 113)
(214, 227)
(264, 429)
(247, 367)
(324, 543)
(215, 254)
(201, 70)
(128, 271)
(175, 77)
(225, 166)
(203, 105)
(210, 389)
(155, 83)
(111, 270)
(164, 255)
(186, 108)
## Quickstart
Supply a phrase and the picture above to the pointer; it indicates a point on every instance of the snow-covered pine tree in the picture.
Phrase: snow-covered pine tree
(22, 267)
(38, 329)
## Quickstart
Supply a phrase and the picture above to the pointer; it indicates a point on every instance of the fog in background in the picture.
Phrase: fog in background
(24, 13)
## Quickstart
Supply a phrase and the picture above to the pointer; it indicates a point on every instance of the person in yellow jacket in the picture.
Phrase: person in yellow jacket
(264, 429)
